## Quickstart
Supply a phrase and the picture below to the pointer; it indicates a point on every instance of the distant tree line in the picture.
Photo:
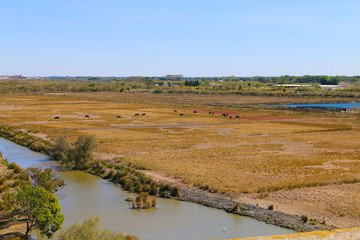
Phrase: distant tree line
(192, 83)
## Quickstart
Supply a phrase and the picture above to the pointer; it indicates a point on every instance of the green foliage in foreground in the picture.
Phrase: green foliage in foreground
(76, 155)
(37, 207)
(89, 230)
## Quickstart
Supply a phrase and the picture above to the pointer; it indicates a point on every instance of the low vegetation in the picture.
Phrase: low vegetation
(142, 201)
(132, 180)
(11, 177)
(89, 230)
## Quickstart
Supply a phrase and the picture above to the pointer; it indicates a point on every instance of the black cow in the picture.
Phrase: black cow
(143, 114)
(118, 116)
(209, 112)
(194, 111)
(175, 110)
(181, 114)
(137, 114)
(237, 116)
(87, 116)
(57, 117)
(230, 117)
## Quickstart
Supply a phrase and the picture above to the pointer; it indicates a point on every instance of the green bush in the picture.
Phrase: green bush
(304, 218)
(89, 230)
(77, 155)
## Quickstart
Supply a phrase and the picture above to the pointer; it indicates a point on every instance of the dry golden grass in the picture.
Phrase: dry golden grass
(339, 234)
(264, 150)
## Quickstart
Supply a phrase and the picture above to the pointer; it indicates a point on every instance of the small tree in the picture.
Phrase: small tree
(77, 155)
(37, 207)
(81, 152)
(45, 177)
(61, 148)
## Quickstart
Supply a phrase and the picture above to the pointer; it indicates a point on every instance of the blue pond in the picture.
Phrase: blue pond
(327, 105)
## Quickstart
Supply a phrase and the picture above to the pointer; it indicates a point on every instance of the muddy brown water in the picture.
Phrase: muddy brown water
(86, 196)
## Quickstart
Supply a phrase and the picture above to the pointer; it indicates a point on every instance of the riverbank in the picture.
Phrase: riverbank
(195, 195)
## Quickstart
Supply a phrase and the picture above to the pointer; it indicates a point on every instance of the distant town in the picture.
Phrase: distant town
(11, 77)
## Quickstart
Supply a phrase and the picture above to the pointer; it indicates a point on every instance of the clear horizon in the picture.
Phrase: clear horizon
(204, 38)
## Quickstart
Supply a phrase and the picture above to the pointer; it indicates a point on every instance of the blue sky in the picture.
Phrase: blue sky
(193, 38)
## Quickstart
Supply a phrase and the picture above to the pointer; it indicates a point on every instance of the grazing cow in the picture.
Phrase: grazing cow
(137, 114)
(237, 116)
(175, 110)
(181, 114)
(87, 116)
(118, 116)
(194, 111)
(143, 114)
(57, 117)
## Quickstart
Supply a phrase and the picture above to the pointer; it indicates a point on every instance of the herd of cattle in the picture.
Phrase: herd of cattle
(144, 114)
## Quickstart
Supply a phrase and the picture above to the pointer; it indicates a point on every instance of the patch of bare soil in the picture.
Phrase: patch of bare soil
(5, 107)
(33, 122)
(296, 148)
(37, 135)
(13, 230)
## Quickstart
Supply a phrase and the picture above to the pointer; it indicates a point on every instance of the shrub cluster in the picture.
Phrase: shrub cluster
(89, 230)
(142, 201)
(13, 176)
(76, 155)
(132, 180)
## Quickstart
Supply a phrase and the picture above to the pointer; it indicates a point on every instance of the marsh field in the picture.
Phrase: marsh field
(302, 162)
